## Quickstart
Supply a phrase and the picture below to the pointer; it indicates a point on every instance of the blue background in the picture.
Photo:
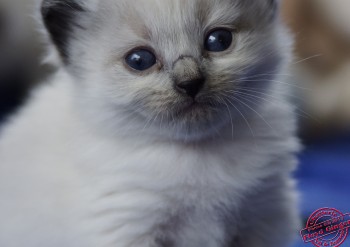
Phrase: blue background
(324, 177)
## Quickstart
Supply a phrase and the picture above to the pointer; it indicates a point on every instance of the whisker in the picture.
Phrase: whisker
(281, 82)
(150, 121)
(276, 101)
(263, 93)
(249, 107)
(229, 112)
(245, 119)
(264, 75)
(308, 58)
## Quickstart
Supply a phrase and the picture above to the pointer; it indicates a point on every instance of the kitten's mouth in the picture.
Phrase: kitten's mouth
(193, 105)
(194, 108)
(196, 118)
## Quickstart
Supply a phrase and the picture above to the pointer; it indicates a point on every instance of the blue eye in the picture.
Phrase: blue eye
(218, 40)
(141, 59)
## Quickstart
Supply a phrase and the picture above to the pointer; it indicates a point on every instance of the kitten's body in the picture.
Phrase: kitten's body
(71, 178)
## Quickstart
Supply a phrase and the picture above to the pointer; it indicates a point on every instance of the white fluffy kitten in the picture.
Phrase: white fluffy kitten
(167, 128)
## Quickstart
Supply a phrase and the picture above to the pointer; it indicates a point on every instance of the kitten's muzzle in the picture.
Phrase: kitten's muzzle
(188, 78)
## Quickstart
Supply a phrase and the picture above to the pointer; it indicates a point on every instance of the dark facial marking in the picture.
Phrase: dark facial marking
(274, 6)
(60, 17)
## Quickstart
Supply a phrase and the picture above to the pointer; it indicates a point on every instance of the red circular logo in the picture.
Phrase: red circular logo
(326, 227)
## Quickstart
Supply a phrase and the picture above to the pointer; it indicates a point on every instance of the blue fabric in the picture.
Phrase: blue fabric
(324, 178)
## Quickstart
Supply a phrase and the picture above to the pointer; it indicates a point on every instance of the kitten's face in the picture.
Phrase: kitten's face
(171, 67)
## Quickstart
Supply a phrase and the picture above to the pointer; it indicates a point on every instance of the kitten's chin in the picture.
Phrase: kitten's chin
(194, 111)
(195, 121)
(184, 120)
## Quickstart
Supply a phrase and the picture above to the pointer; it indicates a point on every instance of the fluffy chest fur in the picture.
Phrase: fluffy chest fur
(170, 194)
(172, 202)
(136, 189)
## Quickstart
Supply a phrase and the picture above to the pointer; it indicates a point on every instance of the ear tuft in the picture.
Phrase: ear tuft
(273, 5)
(60, 17)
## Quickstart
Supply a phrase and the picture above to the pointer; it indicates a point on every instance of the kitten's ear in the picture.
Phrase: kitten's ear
(273, 5)
(60, 18)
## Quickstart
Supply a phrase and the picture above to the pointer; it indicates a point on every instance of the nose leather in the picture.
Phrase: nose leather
(191, 88)
(188, 78)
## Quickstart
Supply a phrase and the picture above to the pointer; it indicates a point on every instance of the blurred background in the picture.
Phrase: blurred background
(322, 71)
(321, 75)
(21, 54)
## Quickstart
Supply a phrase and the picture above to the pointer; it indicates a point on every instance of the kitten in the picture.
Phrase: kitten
(158, 131)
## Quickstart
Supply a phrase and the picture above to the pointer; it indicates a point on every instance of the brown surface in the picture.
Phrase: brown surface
(315, 35)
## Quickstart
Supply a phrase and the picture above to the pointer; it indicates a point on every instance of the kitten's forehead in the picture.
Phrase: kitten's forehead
(173, 28)
(174, 16)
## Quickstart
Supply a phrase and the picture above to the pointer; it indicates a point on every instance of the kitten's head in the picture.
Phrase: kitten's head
(169, 67)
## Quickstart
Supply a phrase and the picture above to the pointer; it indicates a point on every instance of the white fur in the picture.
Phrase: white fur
(73, 174)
